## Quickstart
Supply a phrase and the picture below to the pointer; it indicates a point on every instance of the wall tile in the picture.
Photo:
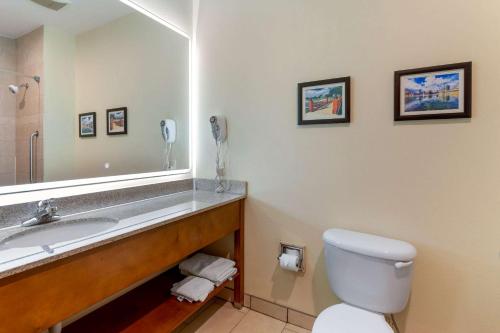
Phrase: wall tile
(300, 319)
(273, 310)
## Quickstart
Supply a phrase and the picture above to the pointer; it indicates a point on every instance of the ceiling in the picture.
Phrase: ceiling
(18, 17)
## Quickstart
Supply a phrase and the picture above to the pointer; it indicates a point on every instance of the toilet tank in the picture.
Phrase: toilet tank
(368, 271)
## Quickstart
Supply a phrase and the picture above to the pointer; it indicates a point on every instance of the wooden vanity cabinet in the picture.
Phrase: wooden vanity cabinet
(38, 298)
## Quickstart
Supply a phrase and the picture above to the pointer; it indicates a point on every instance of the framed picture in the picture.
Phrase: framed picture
(437, 92)
(87, 124)
(116, 120)
(325, 101)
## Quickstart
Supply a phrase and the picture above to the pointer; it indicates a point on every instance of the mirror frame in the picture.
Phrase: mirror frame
(120, 181)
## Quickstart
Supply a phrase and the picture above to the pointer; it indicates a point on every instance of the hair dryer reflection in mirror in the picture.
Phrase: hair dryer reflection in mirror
(168, 132)
(219, 132)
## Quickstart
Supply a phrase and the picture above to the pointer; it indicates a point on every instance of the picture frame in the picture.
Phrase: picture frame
(324, 101)
(87, 125)
(116, 121)
(437, 92)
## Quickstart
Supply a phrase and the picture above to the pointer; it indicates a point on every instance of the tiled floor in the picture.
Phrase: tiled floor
(222, 317)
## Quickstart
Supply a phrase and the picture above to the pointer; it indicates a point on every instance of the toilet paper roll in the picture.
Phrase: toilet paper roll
(289, 262)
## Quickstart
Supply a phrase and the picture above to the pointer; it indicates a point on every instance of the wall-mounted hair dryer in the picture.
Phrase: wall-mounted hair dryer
(219, 128)
(168, 132)
(219, 132)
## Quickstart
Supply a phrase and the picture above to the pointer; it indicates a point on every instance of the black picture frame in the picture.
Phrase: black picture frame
(94, 125)
(109, 124)
(346, 100)
(467, 92)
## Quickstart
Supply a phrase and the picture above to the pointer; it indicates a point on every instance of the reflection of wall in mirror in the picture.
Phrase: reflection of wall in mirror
(115, 66)
(29, 113)
(7, 113)
(110, 66)
(20, 111)
(59, 104)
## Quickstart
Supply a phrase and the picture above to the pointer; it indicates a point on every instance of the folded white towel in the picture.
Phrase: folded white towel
(228, 275)
(192, 289)
(215, 269)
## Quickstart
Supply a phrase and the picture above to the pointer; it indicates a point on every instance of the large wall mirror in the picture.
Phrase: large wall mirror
(86, 87)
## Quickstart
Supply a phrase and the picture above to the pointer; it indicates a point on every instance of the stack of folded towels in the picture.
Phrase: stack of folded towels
(204, 272)
(192, 289)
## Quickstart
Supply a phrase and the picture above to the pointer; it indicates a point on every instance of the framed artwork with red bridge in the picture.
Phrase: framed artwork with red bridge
(324, 101)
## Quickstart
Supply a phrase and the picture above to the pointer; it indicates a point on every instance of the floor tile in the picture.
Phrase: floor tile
(220, 317)
(289, 328)
(255, 322)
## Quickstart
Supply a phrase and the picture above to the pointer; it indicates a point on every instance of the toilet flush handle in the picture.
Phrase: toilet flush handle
(403, 264)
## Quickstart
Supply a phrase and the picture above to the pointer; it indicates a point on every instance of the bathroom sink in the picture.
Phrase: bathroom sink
(57, 232)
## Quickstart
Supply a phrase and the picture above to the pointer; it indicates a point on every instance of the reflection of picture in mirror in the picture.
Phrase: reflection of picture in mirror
(117, 121)
(87, 124)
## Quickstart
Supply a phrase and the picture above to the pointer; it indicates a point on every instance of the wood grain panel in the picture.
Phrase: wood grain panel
(239, 257)
(149, 308)
(37, 299)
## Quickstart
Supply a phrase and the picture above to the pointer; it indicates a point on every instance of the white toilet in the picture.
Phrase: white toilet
(371, 275)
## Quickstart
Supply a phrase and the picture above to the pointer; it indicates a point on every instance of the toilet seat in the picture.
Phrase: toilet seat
(344, 318)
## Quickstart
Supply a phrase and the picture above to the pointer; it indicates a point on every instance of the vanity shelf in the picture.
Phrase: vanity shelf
(147, 308)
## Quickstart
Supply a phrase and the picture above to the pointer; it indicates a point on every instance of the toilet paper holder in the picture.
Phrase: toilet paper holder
(290, 248)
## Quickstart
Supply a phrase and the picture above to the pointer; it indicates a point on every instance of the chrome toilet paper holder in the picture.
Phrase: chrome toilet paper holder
(290, 248)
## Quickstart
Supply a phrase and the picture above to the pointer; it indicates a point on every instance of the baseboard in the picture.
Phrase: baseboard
(271, 309)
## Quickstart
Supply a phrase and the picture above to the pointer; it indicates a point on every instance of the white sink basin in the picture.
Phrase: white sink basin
(57, 232)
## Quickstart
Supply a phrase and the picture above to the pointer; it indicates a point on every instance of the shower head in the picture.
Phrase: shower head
(15, 89)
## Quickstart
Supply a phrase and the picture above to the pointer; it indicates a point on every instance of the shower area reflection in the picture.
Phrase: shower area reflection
(21, 63)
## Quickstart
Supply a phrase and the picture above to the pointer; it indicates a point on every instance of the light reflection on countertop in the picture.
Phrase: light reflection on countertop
(133, 218)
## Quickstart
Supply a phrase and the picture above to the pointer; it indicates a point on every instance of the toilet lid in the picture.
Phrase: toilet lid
(343, 318)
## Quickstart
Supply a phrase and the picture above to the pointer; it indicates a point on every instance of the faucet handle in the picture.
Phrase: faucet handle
(46, 203)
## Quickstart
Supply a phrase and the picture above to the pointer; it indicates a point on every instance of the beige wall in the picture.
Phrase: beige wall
(7, 113)
(29, 105)
(435, 184)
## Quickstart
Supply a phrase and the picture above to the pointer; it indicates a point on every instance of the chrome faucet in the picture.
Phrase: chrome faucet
(46, 212)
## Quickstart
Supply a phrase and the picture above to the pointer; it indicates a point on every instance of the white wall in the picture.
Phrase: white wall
(138, 63)
(176, 12)
(433, 183)
(59, 109)
(116, 66)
